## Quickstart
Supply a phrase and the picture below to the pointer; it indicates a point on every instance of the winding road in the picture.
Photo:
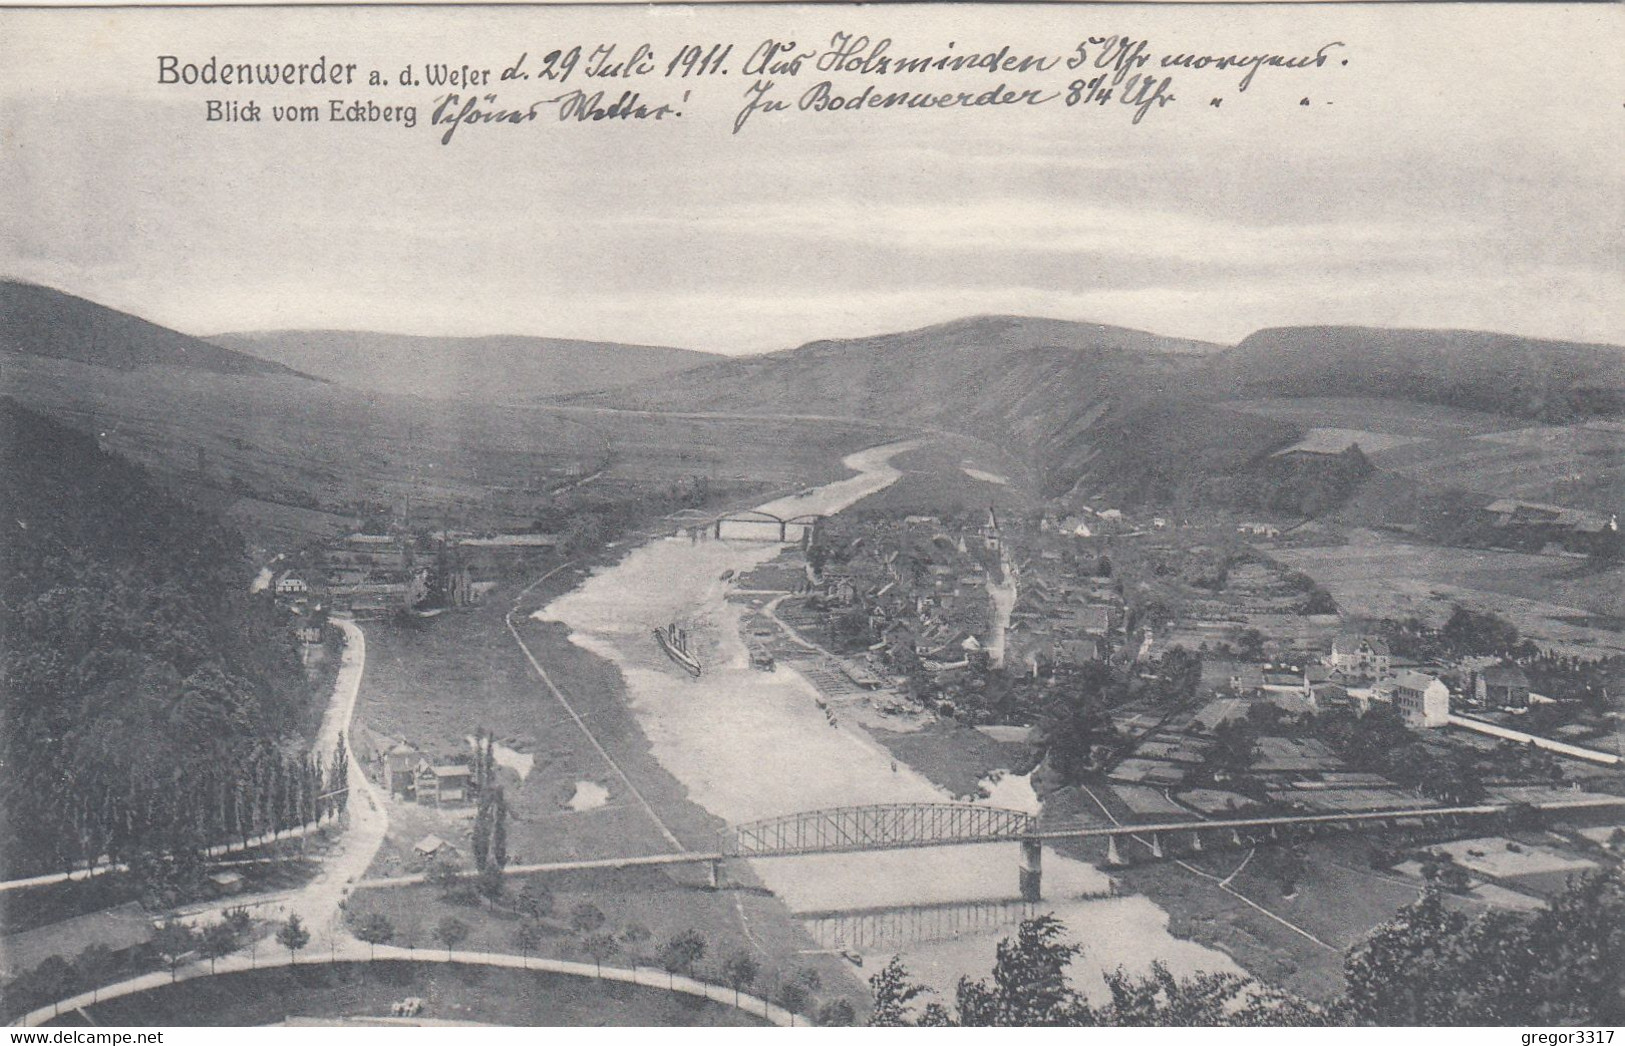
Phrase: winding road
(317, 904)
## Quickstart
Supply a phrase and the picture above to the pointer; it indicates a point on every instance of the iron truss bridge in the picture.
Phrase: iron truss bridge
(901, 826)
(887, 826)
(754, 523)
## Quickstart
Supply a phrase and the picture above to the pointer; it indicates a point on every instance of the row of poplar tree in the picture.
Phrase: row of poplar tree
(261, 792)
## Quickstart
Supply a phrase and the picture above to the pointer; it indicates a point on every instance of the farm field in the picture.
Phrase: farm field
(1148, 802)
(1579, 466)
(476, 994)
(1576, 466)
(1375, 575)
(641, 907)
(1198, 910)
(1335, 441)
(1495, 858)
(1395, 417)
(308, 445)
(1338, 898)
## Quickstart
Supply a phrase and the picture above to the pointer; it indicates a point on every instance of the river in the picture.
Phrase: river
(749, 744)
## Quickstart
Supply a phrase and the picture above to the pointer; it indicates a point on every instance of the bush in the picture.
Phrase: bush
(586, 917)
(837, 1013)
(535, 900)
(682, 953)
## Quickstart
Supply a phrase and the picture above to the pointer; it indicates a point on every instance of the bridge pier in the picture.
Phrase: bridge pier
(715, 868)
(1032, 870)
(1196, 842)
(718, 529)
(1235, 836)
(1113, 858)
(1156, 845)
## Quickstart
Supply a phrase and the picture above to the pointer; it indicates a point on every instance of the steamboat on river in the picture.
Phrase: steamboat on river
(674, 641)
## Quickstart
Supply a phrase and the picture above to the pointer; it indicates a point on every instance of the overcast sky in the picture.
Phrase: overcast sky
(1465, 168)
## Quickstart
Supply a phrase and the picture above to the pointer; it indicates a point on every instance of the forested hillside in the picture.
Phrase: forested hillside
(142, 684)
(1174, 450)
(41, 321)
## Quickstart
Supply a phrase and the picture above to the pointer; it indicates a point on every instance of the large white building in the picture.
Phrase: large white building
(1421, 699)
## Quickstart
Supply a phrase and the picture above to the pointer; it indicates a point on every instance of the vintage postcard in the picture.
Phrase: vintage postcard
(763, 515)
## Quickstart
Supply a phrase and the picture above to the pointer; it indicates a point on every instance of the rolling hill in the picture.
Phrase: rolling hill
(287, 458)
(40, 321)
(925, 374)
(1044, 389)
(1554, 381)
(502, 368)
(1136, 416)
(1084, 408)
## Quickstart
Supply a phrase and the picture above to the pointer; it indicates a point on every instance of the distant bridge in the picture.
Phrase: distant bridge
(754, 524)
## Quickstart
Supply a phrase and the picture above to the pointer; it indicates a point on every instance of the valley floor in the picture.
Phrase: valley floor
(435, 685)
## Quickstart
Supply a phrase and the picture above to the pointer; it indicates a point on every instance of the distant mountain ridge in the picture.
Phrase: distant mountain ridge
(1087, 407)
(42, 321)
(1040, 387)
(494, 368)
(1499, 373)
(1117, 408)
(885, 373)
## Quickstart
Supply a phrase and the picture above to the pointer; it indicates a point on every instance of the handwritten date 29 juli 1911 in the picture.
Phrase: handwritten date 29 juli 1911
(610, 61)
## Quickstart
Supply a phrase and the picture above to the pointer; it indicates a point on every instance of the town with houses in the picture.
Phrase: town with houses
(1192, 636)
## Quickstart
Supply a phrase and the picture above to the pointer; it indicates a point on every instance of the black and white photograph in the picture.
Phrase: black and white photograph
(756, 515)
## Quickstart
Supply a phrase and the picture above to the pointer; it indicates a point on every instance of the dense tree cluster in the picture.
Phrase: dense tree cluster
(1029, 988)
(1074, 717)
(1204, 455)
(1467, 633)
(1295, 484)
(1433, 965)
(1174, 451)
(146, 691)
(490, 833)
(1587, 680)
(588, 517)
